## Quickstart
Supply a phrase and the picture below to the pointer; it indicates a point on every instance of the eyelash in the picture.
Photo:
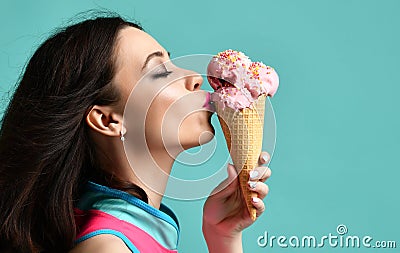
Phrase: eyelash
(165, 73)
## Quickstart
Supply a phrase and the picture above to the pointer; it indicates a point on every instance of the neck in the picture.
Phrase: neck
(150, 171)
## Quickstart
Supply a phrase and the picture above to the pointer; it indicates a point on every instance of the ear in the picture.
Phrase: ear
(105, 120)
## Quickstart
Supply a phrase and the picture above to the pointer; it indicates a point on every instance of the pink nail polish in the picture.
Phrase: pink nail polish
(255, 200)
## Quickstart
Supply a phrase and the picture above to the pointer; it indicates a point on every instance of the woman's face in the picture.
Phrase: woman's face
(163, 103)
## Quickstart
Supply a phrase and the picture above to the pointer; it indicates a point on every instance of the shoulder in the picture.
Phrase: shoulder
(101, 244)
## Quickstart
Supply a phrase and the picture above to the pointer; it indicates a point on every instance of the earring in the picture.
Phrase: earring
(122, 136)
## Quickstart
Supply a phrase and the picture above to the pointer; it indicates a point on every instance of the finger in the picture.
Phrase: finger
(260, 174)
(259, 187)
(259, 205)
(264, 158)
(229, 185)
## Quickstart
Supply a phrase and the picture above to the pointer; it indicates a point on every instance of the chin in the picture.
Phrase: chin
(206, 133)
(202, 133)
(200, 138)
(206, 136)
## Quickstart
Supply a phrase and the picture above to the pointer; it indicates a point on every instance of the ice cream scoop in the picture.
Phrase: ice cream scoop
(238, 81)
(263, 80)
(228, 68)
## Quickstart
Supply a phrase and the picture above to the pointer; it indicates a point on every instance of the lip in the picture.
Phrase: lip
(208, 104)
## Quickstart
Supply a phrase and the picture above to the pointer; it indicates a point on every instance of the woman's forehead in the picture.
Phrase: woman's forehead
(134, 45)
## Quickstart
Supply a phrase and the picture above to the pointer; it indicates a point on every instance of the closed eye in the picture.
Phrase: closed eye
(162, 72)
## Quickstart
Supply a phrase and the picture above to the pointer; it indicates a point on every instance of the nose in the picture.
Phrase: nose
(193, 81)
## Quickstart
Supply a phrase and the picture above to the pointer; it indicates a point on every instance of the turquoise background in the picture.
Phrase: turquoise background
(337, 109)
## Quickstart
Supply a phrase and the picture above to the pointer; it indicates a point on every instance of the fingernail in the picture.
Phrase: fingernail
(252, 184)
(253, 174)
(265, 158)
(255, 200)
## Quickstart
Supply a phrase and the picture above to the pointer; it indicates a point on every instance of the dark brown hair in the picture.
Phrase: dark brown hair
(46, 155)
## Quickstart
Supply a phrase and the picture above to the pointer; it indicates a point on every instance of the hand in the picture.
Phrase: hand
(225, 213)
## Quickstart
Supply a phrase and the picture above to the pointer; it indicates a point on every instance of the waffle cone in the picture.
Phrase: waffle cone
(243, 131)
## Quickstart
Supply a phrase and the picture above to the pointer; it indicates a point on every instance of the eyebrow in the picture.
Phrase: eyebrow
(152, 55)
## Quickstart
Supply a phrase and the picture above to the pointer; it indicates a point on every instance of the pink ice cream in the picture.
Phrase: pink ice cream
(237, 81)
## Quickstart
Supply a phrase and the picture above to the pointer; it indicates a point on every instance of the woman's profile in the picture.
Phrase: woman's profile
(65, 182)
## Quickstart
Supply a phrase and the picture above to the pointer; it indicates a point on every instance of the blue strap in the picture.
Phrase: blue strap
(135, 201)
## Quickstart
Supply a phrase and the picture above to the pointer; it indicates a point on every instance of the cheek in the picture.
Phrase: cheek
(163, 119)
(144, 115)
(176, 120)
